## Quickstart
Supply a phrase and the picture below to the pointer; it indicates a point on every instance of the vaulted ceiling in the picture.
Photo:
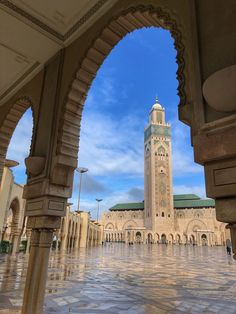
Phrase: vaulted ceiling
(32, 31)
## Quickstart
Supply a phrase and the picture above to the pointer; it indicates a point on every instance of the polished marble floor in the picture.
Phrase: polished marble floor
(117, 278)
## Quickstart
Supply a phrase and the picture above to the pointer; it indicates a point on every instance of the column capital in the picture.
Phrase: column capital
(44, 222)
(46, 206)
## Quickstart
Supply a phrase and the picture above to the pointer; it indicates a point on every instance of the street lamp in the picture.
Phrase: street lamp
(81, 171)
(98, 200)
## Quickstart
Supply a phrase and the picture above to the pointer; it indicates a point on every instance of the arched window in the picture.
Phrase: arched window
(162, 214)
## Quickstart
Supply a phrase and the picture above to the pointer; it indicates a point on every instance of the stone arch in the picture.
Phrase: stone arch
(129, 223)
(171, 238)
(110, 226)
(180, 214)
(9, 124)
(198, 214)
(178, 238)
(163, 238)
(138, 236)
(127, 21)
(161, 150)
(185, 238)
(149, 237)
(192, 239)
(15, 219)
(157, 237)
(204, 239)
(195, 224)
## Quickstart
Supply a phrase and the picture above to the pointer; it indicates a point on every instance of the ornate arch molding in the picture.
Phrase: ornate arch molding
(9, 124)
(109, 224)
(129, 223)
(15, 207)
(196, 222)
(119, 26)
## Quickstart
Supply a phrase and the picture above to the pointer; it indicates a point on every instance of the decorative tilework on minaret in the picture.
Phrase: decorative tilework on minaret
(158, 172)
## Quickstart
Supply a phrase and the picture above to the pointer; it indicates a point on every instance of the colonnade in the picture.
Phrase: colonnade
(206, 75)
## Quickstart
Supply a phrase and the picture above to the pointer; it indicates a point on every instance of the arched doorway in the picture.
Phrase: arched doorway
(138, 237)
(163, 239)
(178, 239)
(171, 238)
(149, 238)
(185, 238)
(12, 230)
(204, 239)
(128, 237)
(192, 239)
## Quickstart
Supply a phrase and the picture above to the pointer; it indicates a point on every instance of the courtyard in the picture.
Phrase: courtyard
(117, 278)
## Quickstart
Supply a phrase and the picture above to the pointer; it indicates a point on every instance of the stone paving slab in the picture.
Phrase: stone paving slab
(120, 279)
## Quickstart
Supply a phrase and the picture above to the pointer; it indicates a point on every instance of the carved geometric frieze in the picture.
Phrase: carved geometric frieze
(46, 206)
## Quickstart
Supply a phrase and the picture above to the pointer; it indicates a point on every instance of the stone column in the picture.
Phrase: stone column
(15, 244)
(63, 243)
(49, 183)
(213, 127)
(37, 270)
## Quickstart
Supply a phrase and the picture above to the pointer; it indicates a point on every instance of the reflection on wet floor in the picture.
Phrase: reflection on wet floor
(117, 278)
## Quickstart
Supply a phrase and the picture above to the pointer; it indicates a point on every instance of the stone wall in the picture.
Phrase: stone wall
(191, 226)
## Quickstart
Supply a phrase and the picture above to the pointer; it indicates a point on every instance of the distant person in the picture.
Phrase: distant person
(228, 250)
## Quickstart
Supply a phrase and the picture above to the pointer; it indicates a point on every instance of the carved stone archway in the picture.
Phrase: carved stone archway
(126, 22)
(13, 223)
(9, 124)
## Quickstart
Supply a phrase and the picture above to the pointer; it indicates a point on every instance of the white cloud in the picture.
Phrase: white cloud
(182, 152)
(115, 197)
(109, 146)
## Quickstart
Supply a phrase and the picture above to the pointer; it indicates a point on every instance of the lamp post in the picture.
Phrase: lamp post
(98, 200)
(81, 171)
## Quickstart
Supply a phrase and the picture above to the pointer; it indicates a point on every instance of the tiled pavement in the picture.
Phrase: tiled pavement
(125, 279)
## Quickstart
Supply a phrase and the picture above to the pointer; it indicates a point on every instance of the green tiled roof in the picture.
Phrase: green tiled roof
(192, 201)
(186, 197)
(180, 201)
(128, 206)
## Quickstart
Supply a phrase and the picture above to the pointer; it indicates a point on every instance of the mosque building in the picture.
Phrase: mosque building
(163, 217)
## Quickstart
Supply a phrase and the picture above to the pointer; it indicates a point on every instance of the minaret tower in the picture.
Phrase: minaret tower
(159, 213)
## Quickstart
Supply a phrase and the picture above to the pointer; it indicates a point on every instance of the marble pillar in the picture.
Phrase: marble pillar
(15, 243)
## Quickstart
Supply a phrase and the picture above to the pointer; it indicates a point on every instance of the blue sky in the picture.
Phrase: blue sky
(116, 111)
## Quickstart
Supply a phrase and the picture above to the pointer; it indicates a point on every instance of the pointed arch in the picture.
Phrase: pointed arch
(9, 124)
(109, 226)
(15, 208)
(129, 223)
(195, 224)
(127, 21)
